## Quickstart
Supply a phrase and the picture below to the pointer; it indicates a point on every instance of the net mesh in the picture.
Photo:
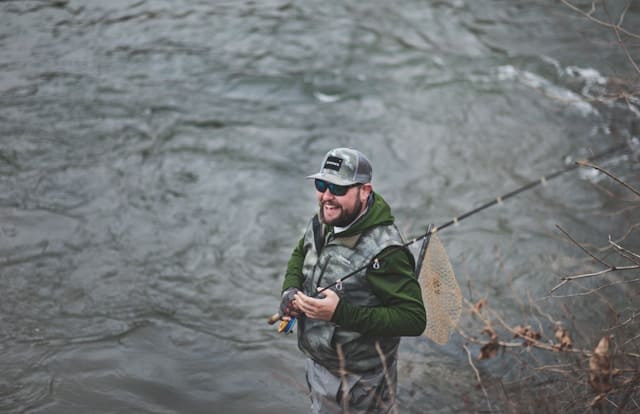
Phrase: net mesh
(440, 292)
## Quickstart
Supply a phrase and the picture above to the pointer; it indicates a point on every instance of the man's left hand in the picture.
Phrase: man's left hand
(321, 308)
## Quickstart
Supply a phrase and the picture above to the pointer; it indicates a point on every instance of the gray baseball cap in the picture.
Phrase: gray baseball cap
(344, 166)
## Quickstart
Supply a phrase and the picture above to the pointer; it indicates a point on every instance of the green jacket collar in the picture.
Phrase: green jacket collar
(378, 213)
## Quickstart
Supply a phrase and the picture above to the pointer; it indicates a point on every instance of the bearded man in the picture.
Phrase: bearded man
(350, 333)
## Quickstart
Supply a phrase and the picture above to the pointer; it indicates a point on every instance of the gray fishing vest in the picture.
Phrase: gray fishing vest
(338, 257)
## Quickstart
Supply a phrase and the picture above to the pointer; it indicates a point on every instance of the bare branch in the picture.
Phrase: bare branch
(567, 279)
(501, 344)
(629, 255)
(627, 322)
(564, 369)
(609, 267)
(541, 312)
(536, 343)
(594, 290)
(343, 377)
(584, 249)
(631, 340)
(484, 391)
(602, 170)
(387, 377)
(616, 30)
(589, 15)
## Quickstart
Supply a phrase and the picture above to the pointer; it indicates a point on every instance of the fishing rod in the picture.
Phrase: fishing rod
(498, 200)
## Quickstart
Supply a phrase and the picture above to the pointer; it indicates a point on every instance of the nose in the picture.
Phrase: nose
(326, 196)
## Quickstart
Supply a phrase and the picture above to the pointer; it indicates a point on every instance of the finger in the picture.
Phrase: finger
(301, 295)
(301, 300)
(303, 305)
(330, 293)
(307, 306)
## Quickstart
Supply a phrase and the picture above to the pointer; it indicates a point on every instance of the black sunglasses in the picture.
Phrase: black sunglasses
(335, 189)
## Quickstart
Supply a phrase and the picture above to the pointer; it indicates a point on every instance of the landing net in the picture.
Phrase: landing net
(440, 292)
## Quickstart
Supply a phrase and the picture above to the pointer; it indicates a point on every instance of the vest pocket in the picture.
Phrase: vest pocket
(316, 338)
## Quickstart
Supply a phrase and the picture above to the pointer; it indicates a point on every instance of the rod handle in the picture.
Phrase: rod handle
(274, 318)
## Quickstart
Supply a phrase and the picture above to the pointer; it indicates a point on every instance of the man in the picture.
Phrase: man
(351, 332)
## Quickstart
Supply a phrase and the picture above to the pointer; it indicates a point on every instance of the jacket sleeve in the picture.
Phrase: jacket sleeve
(293, 275)
(402, 312)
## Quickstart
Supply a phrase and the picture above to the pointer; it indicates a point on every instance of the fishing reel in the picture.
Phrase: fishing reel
(286, 326)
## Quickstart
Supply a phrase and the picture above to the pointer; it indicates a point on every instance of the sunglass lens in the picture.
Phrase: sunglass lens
(338, 190)
(321, 185)
(335, 189)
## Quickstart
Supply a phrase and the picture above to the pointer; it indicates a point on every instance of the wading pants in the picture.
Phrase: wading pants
(353, 394)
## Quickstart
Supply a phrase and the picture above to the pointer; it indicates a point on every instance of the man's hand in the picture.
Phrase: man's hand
(322, 308)
(288, 305)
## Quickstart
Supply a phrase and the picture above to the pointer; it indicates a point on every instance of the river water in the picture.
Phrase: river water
(152, 156)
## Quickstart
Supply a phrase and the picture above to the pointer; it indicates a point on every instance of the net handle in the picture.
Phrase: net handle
(423, 249)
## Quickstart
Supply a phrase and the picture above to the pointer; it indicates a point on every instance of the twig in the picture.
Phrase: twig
(629, 255)
(541, 312)
(630, 340)
(610, 268)
(555, 368)
(484, 391)
(386, 377)
(591, 291)
(602, 170)
(567, 279)
(584, 249)
(536, 343)
(616, 30)
(502, 344)
(620, 239)
(530, 341)
(621, 324)
(596, 20)
(343, 379)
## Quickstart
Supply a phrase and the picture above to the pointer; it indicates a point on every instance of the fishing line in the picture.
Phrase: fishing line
(433, 229)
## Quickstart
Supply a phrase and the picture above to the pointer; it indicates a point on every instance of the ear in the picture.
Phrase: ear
(366, 191)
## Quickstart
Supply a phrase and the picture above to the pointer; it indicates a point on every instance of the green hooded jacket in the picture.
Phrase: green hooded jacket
(394, 283)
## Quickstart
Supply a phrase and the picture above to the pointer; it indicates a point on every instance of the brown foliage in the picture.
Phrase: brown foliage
(526, 333)
(564, 339)
(491, 348)
(479, 305)
(600, 368)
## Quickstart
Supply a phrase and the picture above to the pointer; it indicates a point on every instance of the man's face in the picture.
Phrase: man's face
(342, 210)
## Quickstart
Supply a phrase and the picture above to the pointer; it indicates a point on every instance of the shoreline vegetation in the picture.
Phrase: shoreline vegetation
(561, 366)
(565, 370)
(599, 371)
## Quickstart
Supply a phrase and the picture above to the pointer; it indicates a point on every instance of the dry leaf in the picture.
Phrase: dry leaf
(598, 401)
(488, 330)
(479, 305)
(600, 368)
(564, 339)
(526, 333)
(489, 350)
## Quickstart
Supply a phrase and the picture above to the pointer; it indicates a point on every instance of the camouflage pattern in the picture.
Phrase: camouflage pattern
(372, 393)
(339, 257)
(344, 166)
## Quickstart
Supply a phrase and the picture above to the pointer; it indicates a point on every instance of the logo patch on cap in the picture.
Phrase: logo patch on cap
(333, 163)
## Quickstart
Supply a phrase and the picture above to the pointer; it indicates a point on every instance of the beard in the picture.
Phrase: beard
(346, 216)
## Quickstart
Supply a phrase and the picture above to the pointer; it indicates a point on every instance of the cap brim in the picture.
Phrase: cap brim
(330, 178)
